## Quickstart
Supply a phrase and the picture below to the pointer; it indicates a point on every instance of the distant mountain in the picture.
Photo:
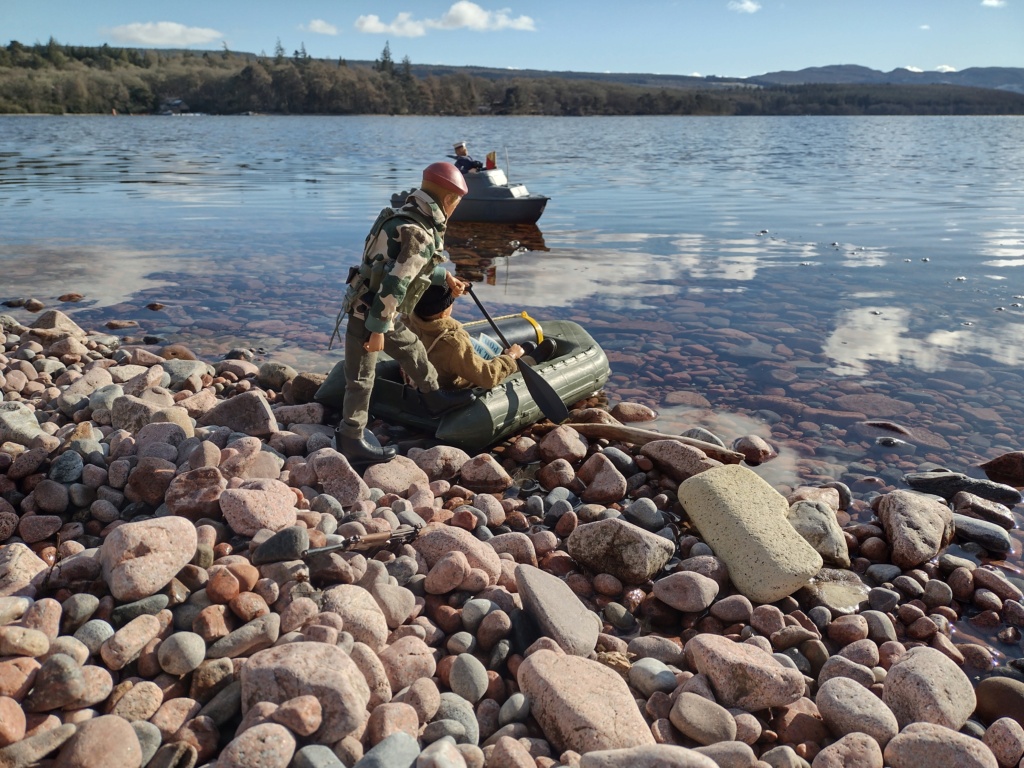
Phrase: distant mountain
(624, 78)
(999, 78)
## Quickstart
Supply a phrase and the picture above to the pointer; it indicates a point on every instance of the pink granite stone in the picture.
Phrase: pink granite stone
(580, 704)
(139, 559)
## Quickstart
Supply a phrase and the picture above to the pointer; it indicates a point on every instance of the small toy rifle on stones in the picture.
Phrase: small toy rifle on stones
(326, 566)
(370, 541)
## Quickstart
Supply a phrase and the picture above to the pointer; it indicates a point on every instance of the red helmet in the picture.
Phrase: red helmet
(446, 176)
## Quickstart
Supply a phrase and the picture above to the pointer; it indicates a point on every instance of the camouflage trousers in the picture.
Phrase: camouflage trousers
(360, 366)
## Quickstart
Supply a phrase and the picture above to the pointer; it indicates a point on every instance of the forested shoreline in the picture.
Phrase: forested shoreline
(63, 79)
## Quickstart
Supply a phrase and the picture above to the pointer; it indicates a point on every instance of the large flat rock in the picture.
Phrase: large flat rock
(743, 519)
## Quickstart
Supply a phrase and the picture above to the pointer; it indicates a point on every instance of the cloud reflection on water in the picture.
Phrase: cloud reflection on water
(104, 275)
(877, 331)
(882, 334)
(876, 334)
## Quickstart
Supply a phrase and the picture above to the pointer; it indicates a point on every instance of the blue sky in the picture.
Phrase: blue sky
(735, 38)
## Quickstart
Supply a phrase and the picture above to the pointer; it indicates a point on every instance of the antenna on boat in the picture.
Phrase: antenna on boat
(506, 164)
(516, 248)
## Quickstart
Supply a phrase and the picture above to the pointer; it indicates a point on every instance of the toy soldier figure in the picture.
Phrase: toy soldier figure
(463, 161)
(402, 257)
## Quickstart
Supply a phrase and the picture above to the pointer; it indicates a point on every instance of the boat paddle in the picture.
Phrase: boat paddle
(543, 394)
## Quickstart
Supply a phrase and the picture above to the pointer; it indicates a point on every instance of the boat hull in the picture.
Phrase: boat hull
(492, 199)
(578, 369)
(520, 210)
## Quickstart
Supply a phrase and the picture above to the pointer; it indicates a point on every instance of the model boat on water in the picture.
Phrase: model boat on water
(575, 369)
(492, 199)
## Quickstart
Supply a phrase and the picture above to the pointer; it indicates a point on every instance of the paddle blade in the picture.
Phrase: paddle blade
(543, 393)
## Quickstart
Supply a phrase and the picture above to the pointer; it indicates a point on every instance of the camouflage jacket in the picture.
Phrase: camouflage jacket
(402, 257)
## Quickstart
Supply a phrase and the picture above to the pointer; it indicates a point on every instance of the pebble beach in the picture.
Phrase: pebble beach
(566, 599)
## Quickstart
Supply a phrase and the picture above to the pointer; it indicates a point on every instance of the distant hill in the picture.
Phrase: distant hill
(620, 78)
(999, 78)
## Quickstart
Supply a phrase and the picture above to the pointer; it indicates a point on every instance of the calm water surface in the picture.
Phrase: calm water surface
(734, 259)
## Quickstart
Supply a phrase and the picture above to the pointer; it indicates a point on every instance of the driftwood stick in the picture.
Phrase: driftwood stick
(637, 436)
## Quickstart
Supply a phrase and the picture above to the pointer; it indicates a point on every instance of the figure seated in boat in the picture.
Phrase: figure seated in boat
(463, 161)
(452, 351)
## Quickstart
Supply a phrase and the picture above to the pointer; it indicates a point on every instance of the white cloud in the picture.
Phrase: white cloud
(945, 68)
(913, 69)
(993, 3)
(744, 6)
(461, 15)
(319, 27)
(402, 26)
(467, 15)
(925, 27)
(163, 33)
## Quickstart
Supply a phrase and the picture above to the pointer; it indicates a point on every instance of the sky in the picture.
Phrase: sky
(727, 38)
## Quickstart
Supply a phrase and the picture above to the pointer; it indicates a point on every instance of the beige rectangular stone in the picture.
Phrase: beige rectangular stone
(743, 519)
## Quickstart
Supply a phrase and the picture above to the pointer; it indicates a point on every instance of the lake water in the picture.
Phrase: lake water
(738, 259)
(750, 275)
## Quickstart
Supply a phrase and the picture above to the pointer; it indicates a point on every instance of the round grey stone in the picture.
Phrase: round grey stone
(706, 722)
(287, 544)
(881, 573)
(94, 633)
(468, 678)
(77, 610)
(461, 642)
(619, 617)
(644, 513)
(67, 468)
(149, 738)
(700, 549)
(621, 460)
(785, 660)
(936, 593)
(397, 749)
(403, 569)
(181, 653)
(515, 709)
(880, 628)
(327, 504)
(439, 729)
(104, 397)
(474, 611)
(884, 600)
(316, 756)
(454, 707)
(649, 675)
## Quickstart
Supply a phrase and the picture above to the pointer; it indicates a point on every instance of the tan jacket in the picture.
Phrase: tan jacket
(450, 351)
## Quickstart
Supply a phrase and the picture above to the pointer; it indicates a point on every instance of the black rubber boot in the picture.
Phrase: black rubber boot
(362, 452)
(443, 400)
(544, 350)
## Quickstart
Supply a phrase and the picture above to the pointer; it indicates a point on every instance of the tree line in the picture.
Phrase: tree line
(53, 78)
